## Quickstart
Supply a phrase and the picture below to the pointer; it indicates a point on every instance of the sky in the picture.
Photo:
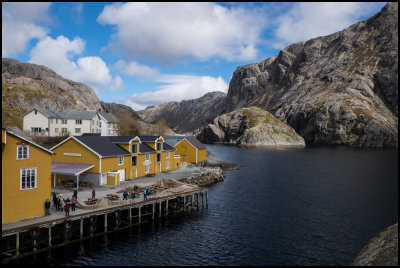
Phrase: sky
(144, 54)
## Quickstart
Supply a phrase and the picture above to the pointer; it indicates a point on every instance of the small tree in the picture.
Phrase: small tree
(162, 127)
(128, 126)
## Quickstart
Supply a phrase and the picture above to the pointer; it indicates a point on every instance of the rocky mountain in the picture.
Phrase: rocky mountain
(26, 86)
(249, 127)
(187, 115)
(336, 89)
(119, 110)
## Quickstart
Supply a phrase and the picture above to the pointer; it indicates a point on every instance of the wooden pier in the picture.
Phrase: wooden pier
(32, 238)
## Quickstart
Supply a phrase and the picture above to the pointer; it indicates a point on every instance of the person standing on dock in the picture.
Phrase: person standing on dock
(76, 193)
(93, 193)
(73, 202)
(62, 202)
(133, 196)
(66, 209)
(47, 205)
(145, 194)
(125, 195)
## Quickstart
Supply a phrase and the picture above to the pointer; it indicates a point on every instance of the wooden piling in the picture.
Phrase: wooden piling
(17, 243)
(50, 236)
(159, 214)
(105, 222)
(140, 208)
(81, 228)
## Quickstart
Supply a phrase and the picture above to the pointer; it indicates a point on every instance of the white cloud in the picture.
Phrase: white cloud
(169, 32)
(57, 54)
(20, 24)
(309, 20)
(117, 83)
(177, 88)
(133, 68)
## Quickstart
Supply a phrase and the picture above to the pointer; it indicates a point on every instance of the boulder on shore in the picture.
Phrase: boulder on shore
(247, 127)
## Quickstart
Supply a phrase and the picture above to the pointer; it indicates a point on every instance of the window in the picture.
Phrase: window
(167, 154)
(64, 121)
(28, 178)
(158, 146)
(134, 161)
(51, 120)
(100, 124)
(56, 121)
(158, 157)
(56, 130)
(167, 165)
(77, 130)
(147, 156)
(36, 129)
(64, 130)
(78, 122)
(22, 152)
(146, 169)
(120, 160)
(134, 148)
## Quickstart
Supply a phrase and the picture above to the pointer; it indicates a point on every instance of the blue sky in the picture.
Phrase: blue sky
(141, 54)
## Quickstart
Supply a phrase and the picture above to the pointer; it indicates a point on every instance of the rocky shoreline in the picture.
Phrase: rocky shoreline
(382, 250)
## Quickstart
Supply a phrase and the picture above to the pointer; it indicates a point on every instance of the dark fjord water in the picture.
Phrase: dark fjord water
(311, 206)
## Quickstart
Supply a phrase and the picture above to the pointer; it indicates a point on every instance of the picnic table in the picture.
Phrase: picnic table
(69, 183)
(91, 201)
(85, 183)
(112, 196)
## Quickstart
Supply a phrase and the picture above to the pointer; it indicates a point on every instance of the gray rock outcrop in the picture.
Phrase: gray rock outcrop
(26, 86)
(383, 250)
(337, 89)
(249, 127)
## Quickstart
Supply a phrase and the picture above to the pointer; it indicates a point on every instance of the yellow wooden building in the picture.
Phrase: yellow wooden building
(191, 150)
(26, 177)
(115, 158)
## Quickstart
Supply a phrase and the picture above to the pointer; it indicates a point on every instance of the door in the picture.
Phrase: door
(121, 174)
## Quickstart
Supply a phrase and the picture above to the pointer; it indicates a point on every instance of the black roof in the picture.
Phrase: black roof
(121, 139)
(167, 147)
(143, 148)
(148, 138)
(102, 145)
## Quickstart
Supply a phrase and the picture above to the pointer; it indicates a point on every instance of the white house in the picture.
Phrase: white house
(108, 124)
(76, 123)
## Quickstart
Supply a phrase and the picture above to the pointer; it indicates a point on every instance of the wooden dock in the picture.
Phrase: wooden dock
(32, 238)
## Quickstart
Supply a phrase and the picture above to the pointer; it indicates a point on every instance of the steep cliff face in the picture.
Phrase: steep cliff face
(187, 115)
(119, 110)
(250, 127)
(337, 89)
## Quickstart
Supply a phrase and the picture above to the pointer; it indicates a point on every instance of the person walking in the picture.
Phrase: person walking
(66, 208)
(47, 205)
(73, 202)
(93, 193)
(148, 191)
(145, 194)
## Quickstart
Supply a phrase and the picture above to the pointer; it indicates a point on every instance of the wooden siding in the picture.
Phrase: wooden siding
(72, 146)
(20, 204)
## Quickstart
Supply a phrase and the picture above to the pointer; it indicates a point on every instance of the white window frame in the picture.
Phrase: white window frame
(132, 160)
(22, 153)
(35, 178)
(120, 160)
(78, 122)
(167, 154)
(167, 165)
(147, 157)
(64, 121)
(64, 129)
(146, 169)
(77, 130)
(134, 145)
(56, 130)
